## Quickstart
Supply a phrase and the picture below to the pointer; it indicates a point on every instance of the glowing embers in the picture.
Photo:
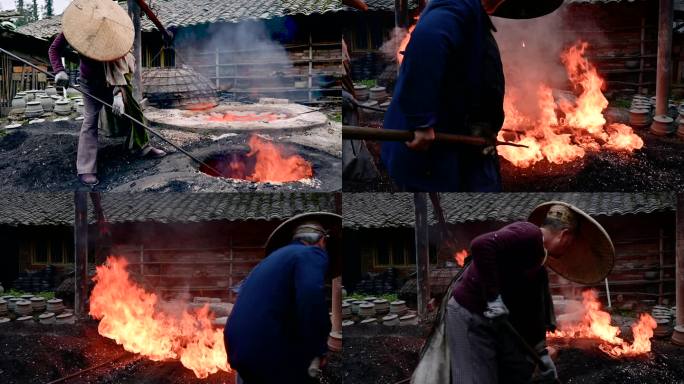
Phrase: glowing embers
(264, 162)
(142, 323)
(596, 324)
(563, 129)
(244, 116)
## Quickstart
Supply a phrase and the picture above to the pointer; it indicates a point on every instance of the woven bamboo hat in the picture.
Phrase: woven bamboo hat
(330, 222)
(591, 256)
(98, 29)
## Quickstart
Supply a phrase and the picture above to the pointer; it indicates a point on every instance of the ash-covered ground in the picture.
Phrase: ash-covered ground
(41, 157)
(387, 355)
(38, 353)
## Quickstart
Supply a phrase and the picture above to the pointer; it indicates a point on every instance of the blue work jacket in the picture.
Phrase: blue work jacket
(280, 320)
(450, 78)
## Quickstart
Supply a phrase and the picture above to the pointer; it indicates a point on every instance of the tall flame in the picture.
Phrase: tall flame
(596, 324)
(143, 324)
(563, 131)
(274, 166)
(460, 257)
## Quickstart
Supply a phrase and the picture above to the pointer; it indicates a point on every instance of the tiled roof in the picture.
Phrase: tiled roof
(373, 210)
(58, 208)
(185, 13)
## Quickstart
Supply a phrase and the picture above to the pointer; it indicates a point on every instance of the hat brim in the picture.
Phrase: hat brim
(98, 29)
(332, 223)
(591, 256)
(526, 9)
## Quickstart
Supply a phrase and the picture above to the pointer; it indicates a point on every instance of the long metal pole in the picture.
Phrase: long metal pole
(148, 129)
(81, 253)
(422, 253)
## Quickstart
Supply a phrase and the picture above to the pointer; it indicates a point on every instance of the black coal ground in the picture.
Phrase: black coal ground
(42, 157)
(387, 355)
(655, 167)
(37, 353)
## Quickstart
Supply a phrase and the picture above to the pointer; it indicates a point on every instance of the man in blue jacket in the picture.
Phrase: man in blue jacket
(451, 80)
(279, 325)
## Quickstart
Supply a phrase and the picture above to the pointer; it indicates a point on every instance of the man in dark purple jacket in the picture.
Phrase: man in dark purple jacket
(506, 280)
(93, 81)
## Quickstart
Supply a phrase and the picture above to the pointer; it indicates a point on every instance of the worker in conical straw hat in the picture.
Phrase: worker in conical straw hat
(278, 329)
(102, 33)
(451, 80)
(499, 309)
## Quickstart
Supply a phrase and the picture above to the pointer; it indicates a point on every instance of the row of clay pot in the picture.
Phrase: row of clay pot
(36, 108)
(45, 318)
(389, 320)
(377, 94)
(27, 304)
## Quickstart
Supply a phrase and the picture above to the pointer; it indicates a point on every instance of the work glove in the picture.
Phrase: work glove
(62, 79)
(495, 308)
(547, 371)
(118, 104)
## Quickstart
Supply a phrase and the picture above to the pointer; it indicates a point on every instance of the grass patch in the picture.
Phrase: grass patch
(17, 293)
(370, 83)
(360, 296)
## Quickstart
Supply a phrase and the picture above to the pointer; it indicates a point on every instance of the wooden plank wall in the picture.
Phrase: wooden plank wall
(202, 259)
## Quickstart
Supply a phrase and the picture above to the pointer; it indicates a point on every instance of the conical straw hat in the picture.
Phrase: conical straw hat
(591, 256)
(98, 29)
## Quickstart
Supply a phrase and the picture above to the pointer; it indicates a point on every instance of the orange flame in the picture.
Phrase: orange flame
(460, 257)
(563, 131)
(596, 324)
(249, 117)
(404, 42)
(143, 324)
(272, 165)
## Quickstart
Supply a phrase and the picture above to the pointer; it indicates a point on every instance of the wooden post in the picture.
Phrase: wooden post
(679, 272)
(337, 282)
(663, 75)
(218, 67)
(310, 82)
(401, 19)
(81, 253)
(422, 253)
(642, 52)
(134, 13)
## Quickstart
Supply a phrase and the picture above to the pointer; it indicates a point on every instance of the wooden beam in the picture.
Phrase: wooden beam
(663, 75)
(80, 253)
(422, 252)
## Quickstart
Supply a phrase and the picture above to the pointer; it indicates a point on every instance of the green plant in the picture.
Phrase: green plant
(621, 103)
(360, 296)
(17, 293)
(368, 82)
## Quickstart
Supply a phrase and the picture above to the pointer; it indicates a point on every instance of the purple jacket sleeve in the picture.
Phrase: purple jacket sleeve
(522, 238)
(55, 52)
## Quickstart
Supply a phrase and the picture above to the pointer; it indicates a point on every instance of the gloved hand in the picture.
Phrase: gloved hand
(62, 79)
(496, 308)
(118, 104)
(547, 372)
